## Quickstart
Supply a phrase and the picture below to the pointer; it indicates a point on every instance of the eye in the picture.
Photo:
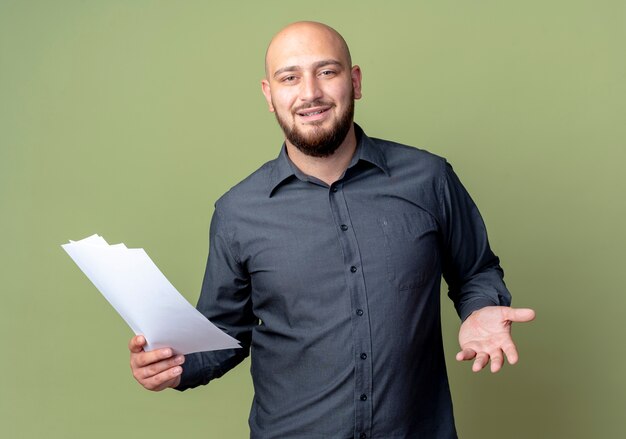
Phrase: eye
(289, 78)
(327, 72)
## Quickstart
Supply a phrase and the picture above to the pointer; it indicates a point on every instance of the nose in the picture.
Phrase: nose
(310, 90)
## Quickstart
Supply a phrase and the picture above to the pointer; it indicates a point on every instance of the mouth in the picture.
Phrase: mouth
(314, 113)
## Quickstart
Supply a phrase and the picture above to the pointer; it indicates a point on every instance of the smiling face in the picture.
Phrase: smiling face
(311, 86)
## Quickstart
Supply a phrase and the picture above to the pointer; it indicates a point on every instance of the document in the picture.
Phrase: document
(145, 299)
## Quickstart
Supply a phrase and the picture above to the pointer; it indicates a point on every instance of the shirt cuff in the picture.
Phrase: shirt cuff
(469, 307)
(191, 366)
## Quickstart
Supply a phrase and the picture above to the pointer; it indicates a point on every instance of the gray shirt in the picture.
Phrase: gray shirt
(336, 291)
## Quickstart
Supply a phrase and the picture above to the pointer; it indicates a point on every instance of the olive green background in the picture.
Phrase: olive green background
(130, 118)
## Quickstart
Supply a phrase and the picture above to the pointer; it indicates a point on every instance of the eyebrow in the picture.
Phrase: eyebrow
(316, 65)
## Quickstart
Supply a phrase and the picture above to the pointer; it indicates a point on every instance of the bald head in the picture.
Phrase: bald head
(301, 38)
(310, 84)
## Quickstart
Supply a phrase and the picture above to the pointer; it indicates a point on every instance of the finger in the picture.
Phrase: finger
(511, 352)
(143, 373)
(143, 359)
(482, 358)
(497, 360)
(136, 343)
(162, 380)
(520, 314)
(174, 382)
(466, 354)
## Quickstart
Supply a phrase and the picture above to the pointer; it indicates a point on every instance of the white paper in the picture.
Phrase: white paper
(145, 299)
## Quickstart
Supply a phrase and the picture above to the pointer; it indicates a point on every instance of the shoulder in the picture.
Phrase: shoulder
(246, 192)
(415, 174)
(401, 159)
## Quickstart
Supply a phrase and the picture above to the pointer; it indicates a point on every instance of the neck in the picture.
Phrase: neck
(328, 169)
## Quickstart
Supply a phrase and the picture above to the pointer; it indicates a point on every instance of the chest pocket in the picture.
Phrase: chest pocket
(411, 249)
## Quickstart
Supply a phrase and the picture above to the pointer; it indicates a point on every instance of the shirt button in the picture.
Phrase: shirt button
(344, 227)
(362, 436)
(334, 189)
(359, 312)
(363, 356)
(363, 397)
(353, 269)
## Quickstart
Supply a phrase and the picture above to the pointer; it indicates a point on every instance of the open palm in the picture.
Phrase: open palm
(486, 335)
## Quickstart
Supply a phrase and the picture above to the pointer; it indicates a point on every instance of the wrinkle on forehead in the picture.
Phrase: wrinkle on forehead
(301, 32)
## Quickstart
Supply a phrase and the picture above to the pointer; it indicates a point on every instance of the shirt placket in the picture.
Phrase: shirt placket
(360, 320)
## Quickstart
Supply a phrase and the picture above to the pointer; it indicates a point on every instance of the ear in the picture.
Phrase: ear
(356, 81)
(265, 87)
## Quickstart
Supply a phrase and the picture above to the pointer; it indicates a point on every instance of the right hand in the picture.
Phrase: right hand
(155, 370)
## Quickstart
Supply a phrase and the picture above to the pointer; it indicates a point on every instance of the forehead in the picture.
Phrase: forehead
(303, 47)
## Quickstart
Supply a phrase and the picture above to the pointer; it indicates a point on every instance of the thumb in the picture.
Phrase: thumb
(520, 314)
(466, 354)
(136, 344)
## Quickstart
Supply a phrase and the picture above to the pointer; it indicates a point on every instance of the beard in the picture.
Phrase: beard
(321, 142)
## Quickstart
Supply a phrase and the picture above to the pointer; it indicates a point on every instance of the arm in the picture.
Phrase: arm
(225, 300)
(475, 281)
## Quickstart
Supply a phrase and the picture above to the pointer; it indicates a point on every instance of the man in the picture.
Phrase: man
(327, 262)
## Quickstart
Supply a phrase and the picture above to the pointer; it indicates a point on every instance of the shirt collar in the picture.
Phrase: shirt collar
(366, 150)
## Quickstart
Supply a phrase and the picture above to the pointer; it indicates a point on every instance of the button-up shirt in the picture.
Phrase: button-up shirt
(336, 292)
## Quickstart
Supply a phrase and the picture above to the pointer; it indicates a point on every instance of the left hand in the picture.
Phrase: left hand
(486, 334)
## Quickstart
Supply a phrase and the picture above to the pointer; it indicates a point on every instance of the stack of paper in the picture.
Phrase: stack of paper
(145, 299)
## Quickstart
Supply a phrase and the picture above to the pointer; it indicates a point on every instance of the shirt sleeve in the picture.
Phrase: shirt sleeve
(225, 300)
(471, 270)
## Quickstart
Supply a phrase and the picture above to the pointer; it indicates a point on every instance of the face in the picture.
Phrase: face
(311, 87)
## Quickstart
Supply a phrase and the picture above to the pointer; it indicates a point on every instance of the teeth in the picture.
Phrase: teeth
(312, 114)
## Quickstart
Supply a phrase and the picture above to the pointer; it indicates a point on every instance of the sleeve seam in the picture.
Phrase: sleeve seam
(228, 236)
